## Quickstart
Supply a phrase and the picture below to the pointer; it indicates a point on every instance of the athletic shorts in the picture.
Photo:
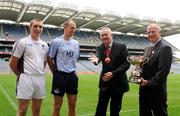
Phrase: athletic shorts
(64, 83)
(30, 86)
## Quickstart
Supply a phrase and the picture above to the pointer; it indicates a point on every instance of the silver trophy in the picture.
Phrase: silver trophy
(138, 62)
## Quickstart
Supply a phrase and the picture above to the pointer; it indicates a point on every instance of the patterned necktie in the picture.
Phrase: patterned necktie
(108, 51)
(150, 51)
(107, 59)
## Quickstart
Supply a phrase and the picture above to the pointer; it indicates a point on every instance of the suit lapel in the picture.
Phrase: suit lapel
(146, 51)
(154, 50)
(156, 47)
(103, 51)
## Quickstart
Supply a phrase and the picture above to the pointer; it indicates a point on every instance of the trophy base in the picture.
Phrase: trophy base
(134, 80)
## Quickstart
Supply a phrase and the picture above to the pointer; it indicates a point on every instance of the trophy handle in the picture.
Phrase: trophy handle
(145, 60)
(129, 59)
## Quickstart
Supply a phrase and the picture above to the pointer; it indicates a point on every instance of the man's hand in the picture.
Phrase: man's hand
(143, 82)
(14, 65)
(107, 76)
(93, 58)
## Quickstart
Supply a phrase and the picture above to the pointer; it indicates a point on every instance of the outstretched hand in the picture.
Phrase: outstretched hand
(93, 58)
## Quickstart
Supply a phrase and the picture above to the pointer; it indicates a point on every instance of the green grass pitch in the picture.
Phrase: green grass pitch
(87, 97)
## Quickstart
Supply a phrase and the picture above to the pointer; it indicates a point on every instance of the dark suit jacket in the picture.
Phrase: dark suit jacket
(118, 66)
(156, 71)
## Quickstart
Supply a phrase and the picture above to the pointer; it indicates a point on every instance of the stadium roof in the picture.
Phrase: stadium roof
(89, 18)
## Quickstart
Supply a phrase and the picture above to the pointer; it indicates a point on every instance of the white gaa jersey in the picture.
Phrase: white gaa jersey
(35, 55)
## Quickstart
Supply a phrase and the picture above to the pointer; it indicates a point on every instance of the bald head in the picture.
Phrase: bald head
(153, 32)
(154, 25)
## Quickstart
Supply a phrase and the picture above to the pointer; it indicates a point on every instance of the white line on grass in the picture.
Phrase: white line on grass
(129, 110)
(9, 99)
(175, 106)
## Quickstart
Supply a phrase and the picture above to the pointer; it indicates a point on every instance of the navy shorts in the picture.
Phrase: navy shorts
(64, 83)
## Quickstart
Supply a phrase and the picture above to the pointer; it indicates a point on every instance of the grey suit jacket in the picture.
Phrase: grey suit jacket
(156, 70)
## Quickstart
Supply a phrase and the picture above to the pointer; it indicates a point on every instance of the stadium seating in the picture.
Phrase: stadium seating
(88, 42)
(45, 36)
(88, 39)
(54, 32)
(84, 37)
(14, 31)
(89, 66)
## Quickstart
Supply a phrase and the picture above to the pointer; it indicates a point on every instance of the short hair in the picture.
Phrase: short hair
(106, 28)
(155, 25)
(66, 23)
(35, 19)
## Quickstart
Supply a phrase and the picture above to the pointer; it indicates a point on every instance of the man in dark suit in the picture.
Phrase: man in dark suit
(113, 80)
(153, 88)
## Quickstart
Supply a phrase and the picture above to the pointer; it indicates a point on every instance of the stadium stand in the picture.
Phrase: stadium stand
(88, 40)
(4, 67)
(55, 32)
(90, 66)
(85, 68)
(45, 35)
(1, 36)
(87, 18)
(14, 31)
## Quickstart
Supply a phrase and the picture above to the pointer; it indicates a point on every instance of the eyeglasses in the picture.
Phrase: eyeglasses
(36, 26)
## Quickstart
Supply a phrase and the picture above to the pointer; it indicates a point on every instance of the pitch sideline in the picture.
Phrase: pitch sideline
(13, 104)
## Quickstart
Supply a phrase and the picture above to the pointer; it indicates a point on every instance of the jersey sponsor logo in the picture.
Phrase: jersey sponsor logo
(29, 45)
(43, 46)
(68, 54)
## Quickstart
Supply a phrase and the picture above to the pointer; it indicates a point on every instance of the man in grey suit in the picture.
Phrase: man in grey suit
(153, 86)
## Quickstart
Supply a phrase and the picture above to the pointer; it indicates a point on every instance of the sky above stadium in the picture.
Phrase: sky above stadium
(157, 9)
(154, 8)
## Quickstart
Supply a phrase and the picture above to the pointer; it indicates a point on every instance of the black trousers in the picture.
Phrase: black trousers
(103, 100)
(152, 107)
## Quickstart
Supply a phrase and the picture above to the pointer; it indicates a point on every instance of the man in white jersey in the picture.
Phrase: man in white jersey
(63, 54)
(31, 79)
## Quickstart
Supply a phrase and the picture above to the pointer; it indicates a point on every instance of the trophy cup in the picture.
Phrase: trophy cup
(138, 62)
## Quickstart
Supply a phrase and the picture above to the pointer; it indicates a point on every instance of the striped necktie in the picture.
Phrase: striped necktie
(150, 51)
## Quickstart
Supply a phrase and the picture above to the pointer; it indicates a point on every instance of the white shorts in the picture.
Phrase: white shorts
(31, 86)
